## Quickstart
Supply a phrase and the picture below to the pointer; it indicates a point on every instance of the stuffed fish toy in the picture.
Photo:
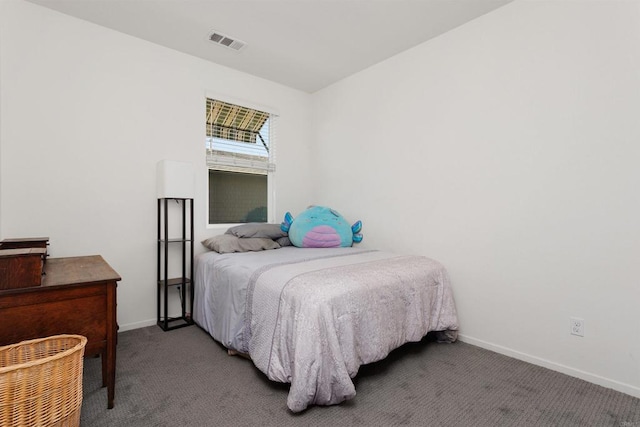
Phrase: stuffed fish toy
(321, 227)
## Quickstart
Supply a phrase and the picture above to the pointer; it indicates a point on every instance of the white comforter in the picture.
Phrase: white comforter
(315, 320)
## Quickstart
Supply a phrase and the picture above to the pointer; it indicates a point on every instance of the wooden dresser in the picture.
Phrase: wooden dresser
(77, 296)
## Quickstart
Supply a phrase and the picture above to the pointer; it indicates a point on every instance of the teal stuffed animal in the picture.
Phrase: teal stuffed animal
(321, 227)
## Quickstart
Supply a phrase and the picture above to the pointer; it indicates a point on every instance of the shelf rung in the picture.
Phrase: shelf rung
(175, 281)
(185, 321)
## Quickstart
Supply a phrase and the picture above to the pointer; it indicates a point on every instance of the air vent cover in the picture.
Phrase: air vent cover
(226, 41)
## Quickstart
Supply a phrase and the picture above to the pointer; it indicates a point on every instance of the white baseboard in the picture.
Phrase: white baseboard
(136, 325)
(592, 378)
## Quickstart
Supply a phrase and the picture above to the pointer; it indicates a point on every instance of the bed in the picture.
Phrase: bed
(312, 317)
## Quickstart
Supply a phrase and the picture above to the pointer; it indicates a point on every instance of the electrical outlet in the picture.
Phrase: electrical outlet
(576, 326)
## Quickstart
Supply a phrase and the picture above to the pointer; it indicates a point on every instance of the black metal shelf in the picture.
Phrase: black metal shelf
(184, 282)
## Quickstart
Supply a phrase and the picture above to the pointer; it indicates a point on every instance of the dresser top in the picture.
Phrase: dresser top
(26, 239)
(74, 270)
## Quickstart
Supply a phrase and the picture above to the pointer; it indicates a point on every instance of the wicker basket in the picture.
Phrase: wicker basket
(41, 382)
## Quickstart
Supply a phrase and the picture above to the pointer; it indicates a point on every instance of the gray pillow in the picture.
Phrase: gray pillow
(257, 229)
(284, 241)
(227, 243)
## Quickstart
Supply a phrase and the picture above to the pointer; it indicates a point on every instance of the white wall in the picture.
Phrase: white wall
(87, 113)
(508, 149)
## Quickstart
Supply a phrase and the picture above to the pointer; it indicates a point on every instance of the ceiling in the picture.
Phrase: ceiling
(304, 44)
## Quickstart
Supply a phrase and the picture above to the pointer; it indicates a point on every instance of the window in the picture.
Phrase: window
(240, 159)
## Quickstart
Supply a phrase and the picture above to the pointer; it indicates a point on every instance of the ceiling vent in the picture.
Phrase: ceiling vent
(226, 41)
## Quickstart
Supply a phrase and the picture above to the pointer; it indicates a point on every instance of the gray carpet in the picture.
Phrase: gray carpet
(183, 377)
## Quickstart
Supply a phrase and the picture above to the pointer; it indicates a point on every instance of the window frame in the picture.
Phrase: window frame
(271, 196)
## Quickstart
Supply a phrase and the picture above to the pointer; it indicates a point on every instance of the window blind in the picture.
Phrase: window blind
(239, 139)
